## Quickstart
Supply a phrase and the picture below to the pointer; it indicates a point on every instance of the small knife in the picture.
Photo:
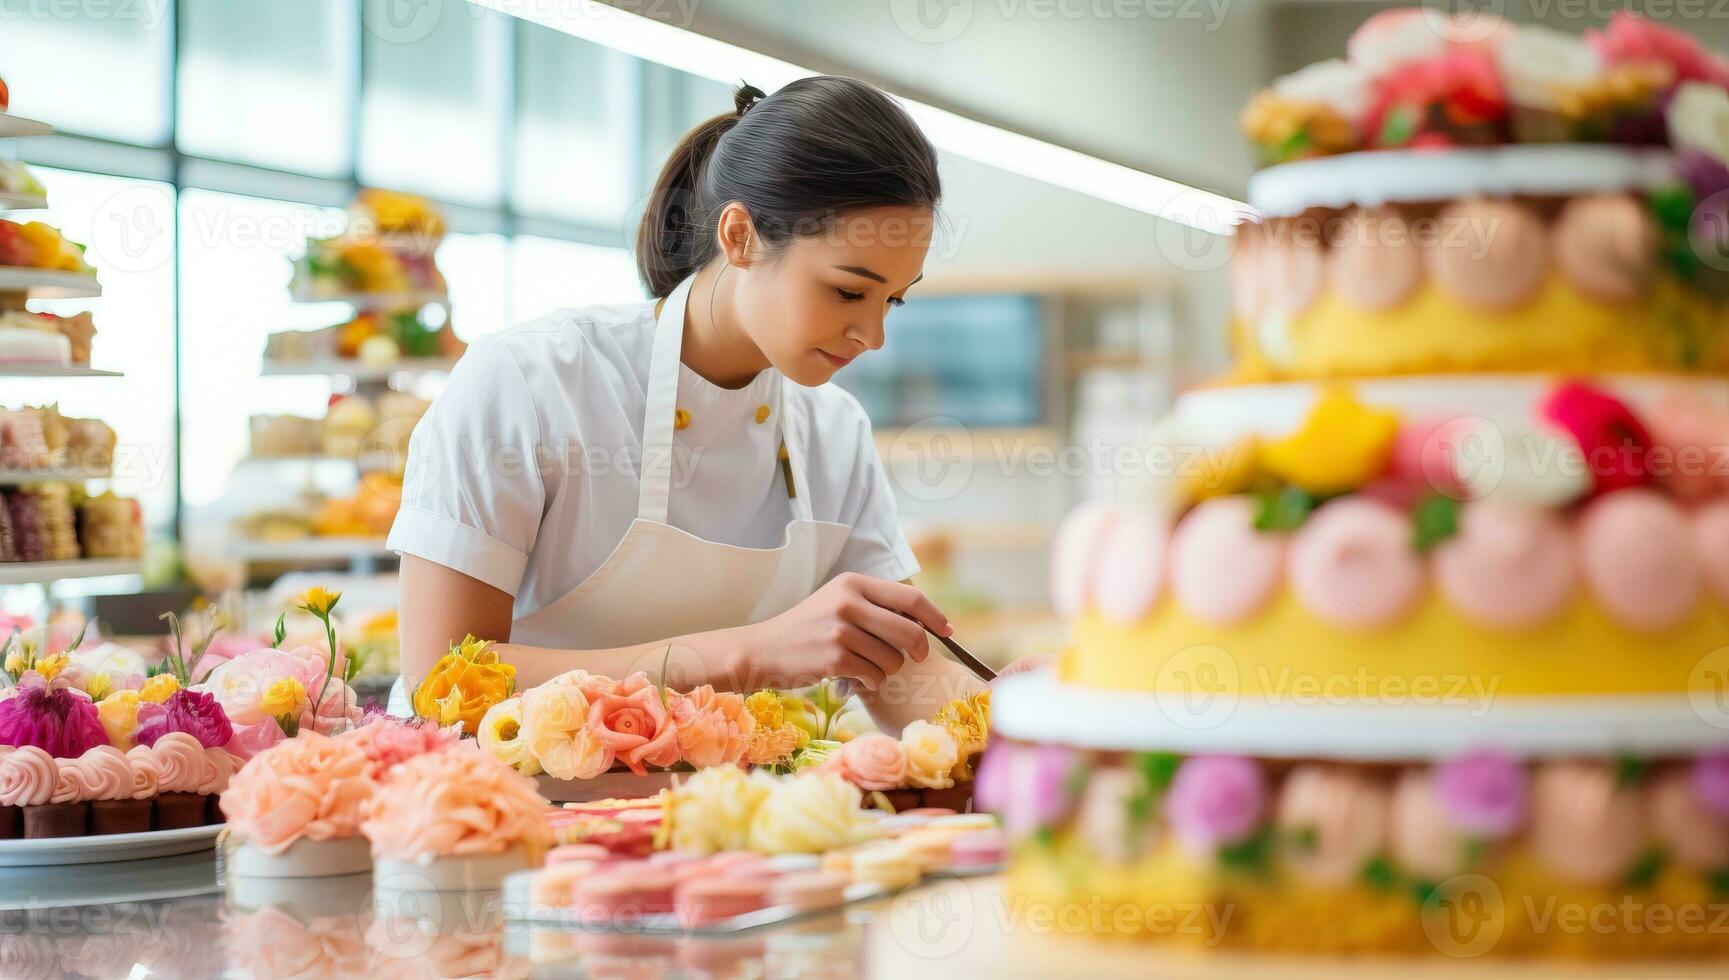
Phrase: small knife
(967, 660)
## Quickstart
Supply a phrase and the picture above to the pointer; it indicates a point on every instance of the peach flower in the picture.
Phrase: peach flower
(458, 801)
(1696, 836)
(312, 786)
(636, 728)
(713, 728)
(555, 726)
(931, 755)
(1424, 839)
(1340, 817)
(272, 943)
(873, 761)
(1584, 825)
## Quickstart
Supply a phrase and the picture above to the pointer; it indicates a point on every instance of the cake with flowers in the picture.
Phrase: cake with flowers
(1416, 629)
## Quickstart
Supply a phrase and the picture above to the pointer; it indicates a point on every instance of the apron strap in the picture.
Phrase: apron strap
(661, 402)
(661, 398)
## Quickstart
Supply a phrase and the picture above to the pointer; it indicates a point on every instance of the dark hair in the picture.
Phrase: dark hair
(796, 159)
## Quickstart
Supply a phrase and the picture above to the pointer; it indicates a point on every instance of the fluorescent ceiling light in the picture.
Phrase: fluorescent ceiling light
(697, 54)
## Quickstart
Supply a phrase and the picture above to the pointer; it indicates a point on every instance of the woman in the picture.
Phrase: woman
(618, 488)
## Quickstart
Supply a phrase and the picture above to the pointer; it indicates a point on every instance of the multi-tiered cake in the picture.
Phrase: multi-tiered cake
(1416, 636)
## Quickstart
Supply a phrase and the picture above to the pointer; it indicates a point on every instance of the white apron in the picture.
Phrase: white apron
(660, 581)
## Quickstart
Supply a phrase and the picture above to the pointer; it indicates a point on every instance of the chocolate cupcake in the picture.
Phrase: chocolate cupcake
(958, 797)
(11, 822)
(177, 811)
(27, 779)
(57, 820)
(120, 816)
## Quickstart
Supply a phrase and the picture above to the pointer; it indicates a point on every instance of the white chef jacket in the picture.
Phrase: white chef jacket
(522, 474)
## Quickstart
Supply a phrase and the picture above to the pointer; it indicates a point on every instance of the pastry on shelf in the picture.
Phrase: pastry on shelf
(24, 440)
(278, 436)
(40, 438)
(347, 422)
(59, 521)
(387, 248)
(111, 527)
(35, 245)
(407, 221)
(16, 179)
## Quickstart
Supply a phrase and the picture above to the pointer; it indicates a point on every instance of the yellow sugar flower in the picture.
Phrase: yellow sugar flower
(285, 697)
(1342, 445)
(1224, 472)
(766, 707)
(50, 667)
(503, 734)
(319, 601)
(99, 686)
(119, 715)
(15, 663)
(464, 685)
(158, 689)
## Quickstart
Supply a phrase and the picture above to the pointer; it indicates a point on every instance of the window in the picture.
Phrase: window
(433, 103)
(552, 275)
(269, 82)
(576, 128)
(476, 267)
(103, 71)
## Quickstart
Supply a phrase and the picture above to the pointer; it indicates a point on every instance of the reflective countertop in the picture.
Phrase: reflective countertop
(174, 917)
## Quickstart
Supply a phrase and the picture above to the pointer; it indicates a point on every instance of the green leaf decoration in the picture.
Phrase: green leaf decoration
(1293, 147)
(1399, 127)
(1475, 848)
(1251, 854)
(1380, 874)
(1719, 881)
(1159, 768)
(1629, 771)
(1435, 520)
(1284, 511)
(1644, 872)
(1305, 839)
(281, 630)
(1423, 890)
(1672, 206)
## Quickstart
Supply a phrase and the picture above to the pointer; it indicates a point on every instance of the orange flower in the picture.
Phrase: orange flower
(636, 727)
(713, 729)
(772, 746)
(463, 685)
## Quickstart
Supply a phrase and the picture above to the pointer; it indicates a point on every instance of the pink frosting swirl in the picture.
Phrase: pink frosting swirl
(1353, 565)
(1605, 246)
(1637, 550)
(872, 761)
(1131, 566)
(219, 768)
(1711, 545)
(146, 771)
(182, 759)
(1376, 264)
(1424, 840)
(1509, 566)
(1695, 835)
(66, 785)
(312, 786)
(1072, 556)
(1584, 826)
(27, 777)
(1222, 569)
(102, 773)
(456, 802)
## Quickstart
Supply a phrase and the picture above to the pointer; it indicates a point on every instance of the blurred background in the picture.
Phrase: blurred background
(202, 147)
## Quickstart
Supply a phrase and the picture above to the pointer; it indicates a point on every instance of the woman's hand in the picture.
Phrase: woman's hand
(855, 626)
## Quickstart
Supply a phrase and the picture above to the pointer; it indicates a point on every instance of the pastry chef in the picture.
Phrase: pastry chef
(617, 487)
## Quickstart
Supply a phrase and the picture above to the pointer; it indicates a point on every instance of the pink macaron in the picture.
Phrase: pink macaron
(808, 891)
(578, 852)
(708, 900)
(624, 894)
(978, 848)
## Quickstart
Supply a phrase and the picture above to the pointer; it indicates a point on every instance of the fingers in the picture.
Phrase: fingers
(904, 598)
(870, 659)
(899, 631)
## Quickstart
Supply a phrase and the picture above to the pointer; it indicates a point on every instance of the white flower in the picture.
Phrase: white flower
(931, 755)
(1698, 118)
(1517, 463)
(1536, 61)
(1335, 83)
(1395, 38)
(504, 736)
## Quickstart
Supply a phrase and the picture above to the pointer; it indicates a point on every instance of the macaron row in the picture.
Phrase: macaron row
(598, 889)
(1646, 559)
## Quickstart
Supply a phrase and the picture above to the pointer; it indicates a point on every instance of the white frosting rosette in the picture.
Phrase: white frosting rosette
(1698, 118)
(1536, 62)
(1334, 83)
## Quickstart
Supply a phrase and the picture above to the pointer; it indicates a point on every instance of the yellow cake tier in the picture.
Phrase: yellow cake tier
(1285, 651)
(1509, 907)
(1558, 330)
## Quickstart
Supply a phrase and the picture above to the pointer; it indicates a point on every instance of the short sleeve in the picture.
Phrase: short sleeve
(473, 493)
(877, 546)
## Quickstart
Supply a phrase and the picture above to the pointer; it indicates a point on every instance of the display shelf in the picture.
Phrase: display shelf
(22, 202)
(412, 299)
(64, 474)
(37, 572)
(309, 549)
(48, 283)
(358, 370)
(26, 370)
(12, 127)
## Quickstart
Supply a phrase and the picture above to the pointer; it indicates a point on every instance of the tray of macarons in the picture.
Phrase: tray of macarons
(734, 853)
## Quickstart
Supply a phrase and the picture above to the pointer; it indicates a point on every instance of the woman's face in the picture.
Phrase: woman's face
(821, 301)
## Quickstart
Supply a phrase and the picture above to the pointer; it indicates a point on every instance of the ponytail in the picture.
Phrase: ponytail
(796, 160)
